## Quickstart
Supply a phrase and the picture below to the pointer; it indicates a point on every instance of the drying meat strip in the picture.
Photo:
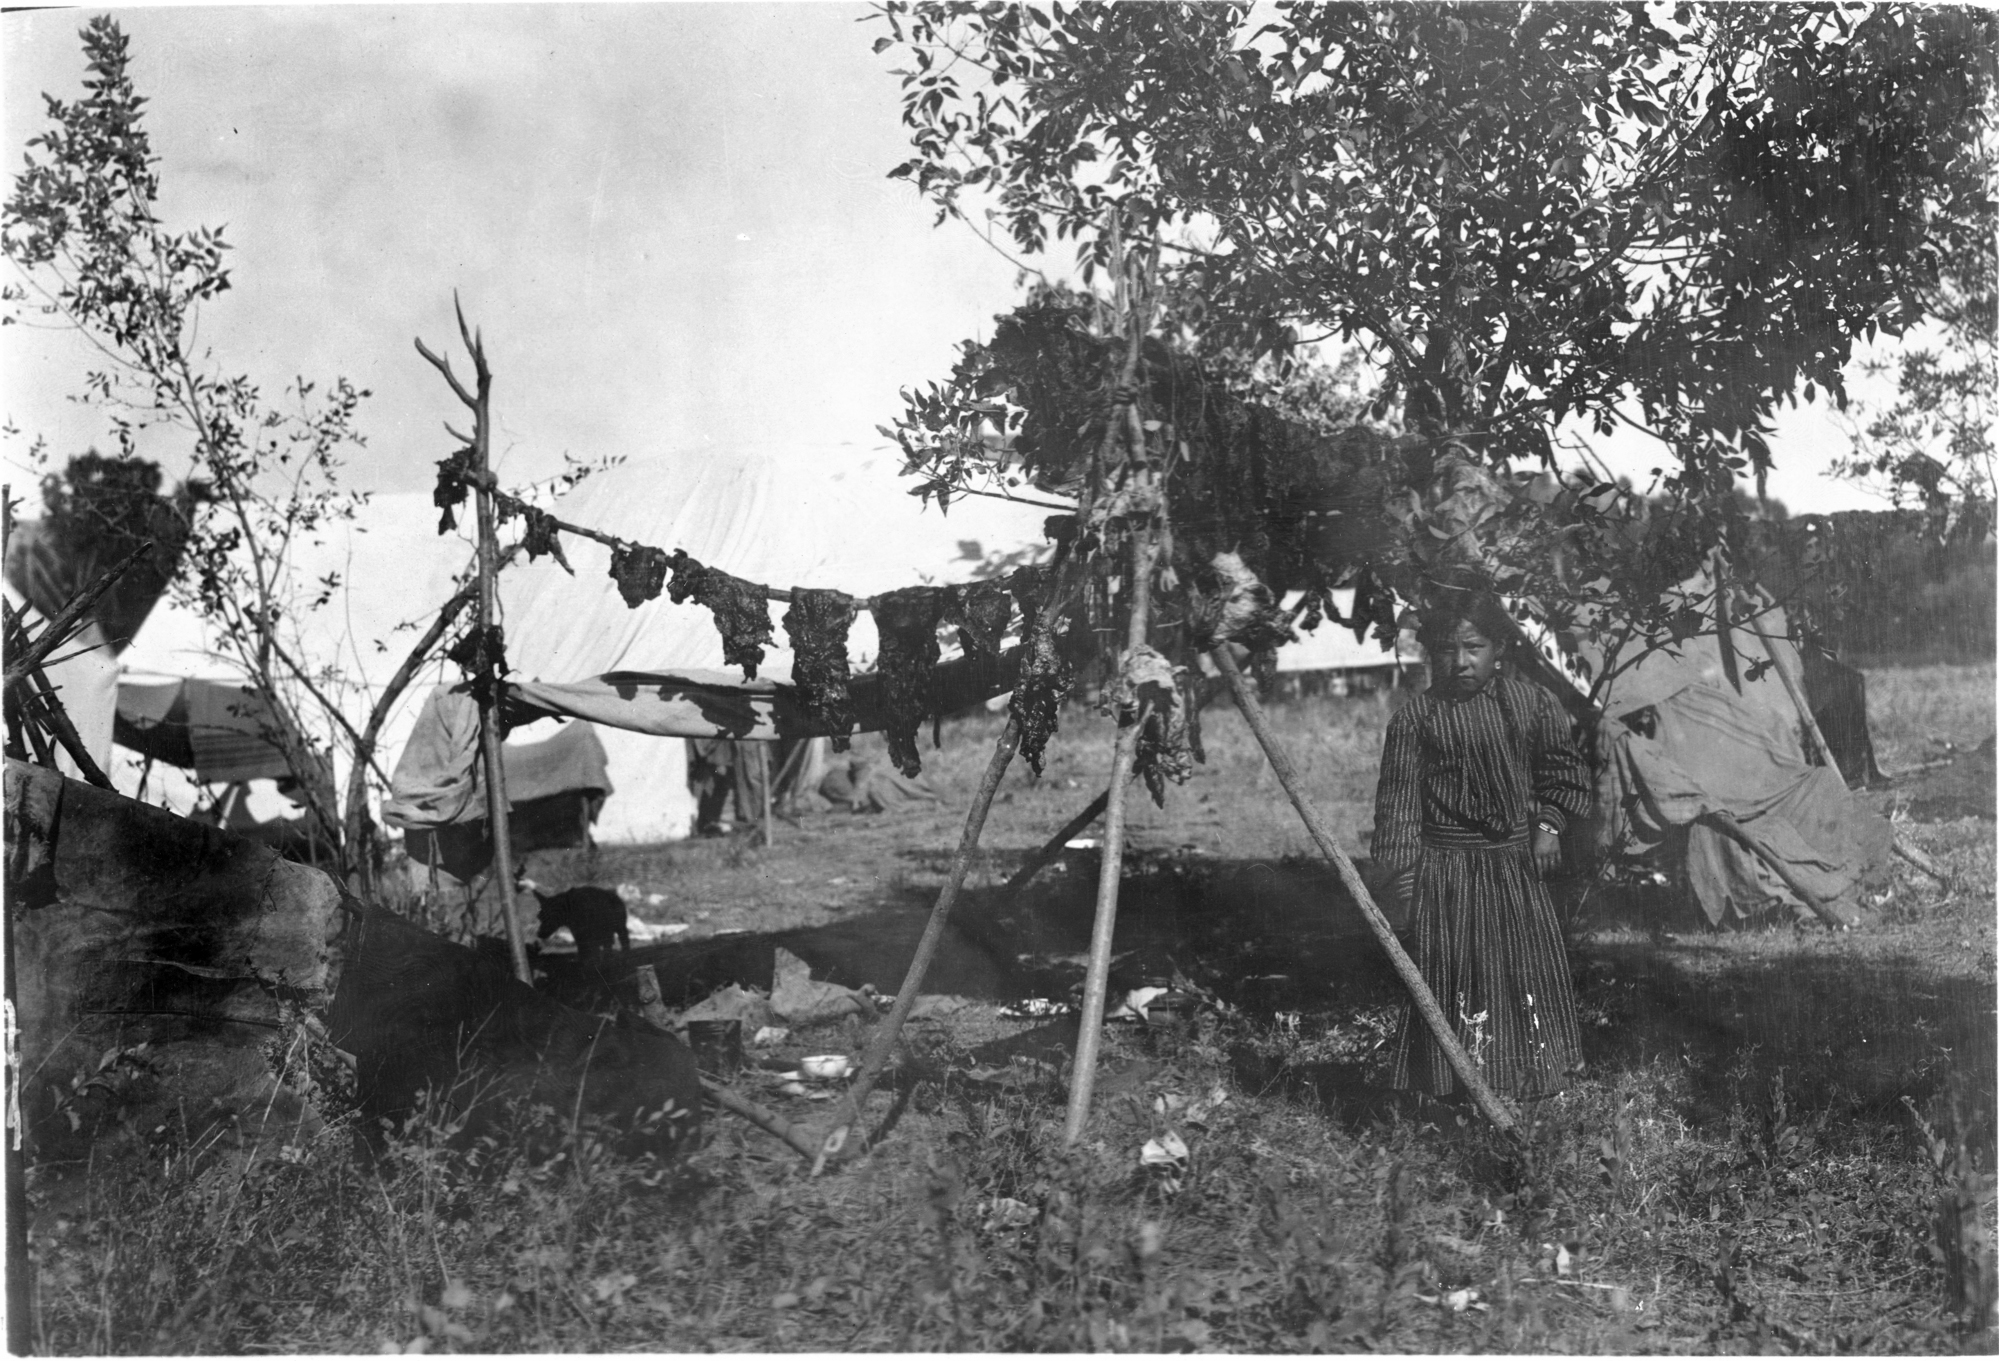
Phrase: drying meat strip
(817, 625)
(1045, 675)
(688, 576)
(639, 571)
(741, 616)
(539, 538)
(454, 474)
(907, 621)
(981, 610)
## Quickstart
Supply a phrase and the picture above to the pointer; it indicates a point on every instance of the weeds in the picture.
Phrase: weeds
(974, 1230)
(1739, 1171)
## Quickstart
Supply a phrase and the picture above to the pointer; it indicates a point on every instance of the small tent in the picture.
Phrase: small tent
(1701, 746)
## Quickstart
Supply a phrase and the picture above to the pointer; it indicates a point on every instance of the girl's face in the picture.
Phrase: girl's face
(1462, 660)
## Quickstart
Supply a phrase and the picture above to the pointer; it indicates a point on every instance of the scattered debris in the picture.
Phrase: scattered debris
(733, 1003)
(798, 998)
(1166, 1157)
(1036, 1008)
(939, 1007)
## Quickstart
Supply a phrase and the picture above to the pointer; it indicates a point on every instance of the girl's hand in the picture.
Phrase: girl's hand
(1547, 851)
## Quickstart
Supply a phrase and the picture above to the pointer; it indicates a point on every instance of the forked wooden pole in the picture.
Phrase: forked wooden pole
(1089, 1035)
(1489, 1104)
(489, 715)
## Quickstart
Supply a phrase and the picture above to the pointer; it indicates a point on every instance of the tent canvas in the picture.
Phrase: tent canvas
(1333, 647)
(216, 728)
(828, 517)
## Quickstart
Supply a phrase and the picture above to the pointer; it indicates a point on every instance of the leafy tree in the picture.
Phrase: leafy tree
(91, 252)
(99, 510)
(1933, 442)
(1676, 215)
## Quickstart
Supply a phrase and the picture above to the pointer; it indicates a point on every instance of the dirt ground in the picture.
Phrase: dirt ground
(1222, 889)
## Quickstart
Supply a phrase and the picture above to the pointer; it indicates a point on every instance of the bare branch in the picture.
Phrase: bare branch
(443, 366)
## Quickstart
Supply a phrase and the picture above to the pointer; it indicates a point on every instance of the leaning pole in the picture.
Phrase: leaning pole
(1488, 1103)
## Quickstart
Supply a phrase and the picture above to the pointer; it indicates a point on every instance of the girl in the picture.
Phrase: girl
(1479, 776)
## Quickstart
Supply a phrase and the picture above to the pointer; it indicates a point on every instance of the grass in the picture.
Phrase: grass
(1910, 709)
(1785, 1141)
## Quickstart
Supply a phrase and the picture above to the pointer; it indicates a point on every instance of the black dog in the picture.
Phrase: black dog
(595, 916)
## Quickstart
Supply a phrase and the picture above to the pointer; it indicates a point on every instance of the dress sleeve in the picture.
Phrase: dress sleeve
(1398, 798)
(1562, 785)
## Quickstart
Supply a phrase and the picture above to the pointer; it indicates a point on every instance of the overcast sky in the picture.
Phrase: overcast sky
(671, 221)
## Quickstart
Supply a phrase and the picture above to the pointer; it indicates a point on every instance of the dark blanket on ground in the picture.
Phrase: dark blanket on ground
(420, 1013)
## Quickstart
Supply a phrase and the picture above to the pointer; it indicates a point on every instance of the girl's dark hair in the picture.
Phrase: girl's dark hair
(1480, 609)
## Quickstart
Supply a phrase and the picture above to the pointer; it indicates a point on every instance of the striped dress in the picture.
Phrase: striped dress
(1462, 783)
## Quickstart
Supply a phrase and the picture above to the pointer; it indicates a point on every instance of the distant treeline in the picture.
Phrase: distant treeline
(1916, 617)
(1888, 587)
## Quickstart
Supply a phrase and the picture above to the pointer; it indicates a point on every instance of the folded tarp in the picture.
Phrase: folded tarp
(437, 782)
(1712, 751)
(555, 788)
(702, 703)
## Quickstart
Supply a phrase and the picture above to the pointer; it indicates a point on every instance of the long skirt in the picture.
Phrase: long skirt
(1488, 944)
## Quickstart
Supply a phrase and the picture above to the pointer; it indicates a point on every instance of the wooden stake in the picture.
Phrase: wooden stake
(1916, 856)
(848, 1112)
(650, 1005)
(788, 772)
(763, 779)
(1488, 1103)
(1089, 1035)
(800, 1140)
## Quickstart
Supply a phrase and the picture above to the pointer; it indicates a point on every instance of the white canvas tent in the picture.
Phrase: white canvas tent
(1333, 647)
(826, 516)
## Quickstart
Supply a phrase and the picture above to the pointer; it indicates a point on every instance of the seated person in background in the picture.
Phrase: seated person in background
(864, 784)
